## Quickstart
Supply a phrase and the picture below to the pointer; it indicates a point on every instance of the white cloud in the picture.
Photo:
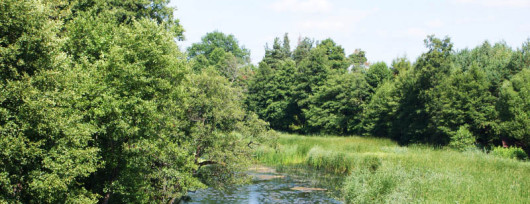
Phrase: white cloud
(303, 6)
(496, 3)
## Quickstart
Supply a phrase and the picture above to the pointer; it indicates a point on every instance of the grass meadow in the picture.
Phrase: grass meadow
(380, 171)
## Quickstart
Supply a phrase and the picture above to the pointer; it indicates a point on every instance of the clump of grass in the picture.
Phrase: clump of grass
(331, 161)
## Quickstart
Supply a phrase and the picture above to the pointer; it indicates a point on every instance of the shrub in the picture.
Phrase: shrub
(462, 139)
(510, 152)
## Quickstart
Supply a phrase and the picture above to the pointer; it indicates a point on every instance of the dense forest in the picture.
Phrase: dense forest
(446, 97)
(98, 104)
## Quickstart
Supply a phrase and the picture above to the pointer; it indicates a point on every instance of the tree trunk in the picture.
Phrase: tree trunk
(107, 197)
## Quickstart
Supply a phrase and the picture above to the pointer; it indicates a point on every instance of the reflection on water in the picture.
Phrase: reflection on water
(288, 185)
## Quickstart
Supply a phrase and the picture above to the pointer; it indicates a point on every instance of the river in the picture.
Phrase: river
(286, 185)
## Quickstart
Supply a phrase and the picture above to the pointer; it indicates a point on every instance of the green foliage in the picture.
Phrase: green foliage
(95, 106)
(358, 59)
(463, 139)
(377, 74)
(414, 122)
(464, 99)
(302, 49)
(221, 131)
(223, 53)
(380, 171)
(336, 106)
(270, 94)
(44, 139)
(492, 60)
(380, 112)
(329, 160)
(400, 65)
(510, 152)
(335, 54)
(514, 109)
(216, 39)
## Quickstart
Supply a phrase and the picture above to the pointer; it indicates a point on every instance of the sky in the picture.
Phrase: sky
(385, 29)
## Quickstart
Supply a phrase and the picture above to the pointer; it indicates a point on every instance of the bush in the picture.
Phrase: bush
(462, 139)
(510, 152)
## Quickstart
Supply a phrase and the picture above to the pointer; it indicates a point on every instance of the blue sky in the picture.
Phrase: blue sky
(385, 29)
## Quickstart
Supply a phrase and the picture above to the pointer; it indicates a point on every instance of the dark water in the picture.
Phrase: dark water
(271, 186)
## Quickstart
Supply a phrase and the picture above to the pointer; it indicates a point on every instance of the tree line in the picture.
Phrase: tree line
(466, 97)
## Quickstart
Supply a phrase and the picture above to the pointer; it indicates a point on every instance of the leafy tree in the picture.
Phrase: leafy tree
(270, 94)
(311, 73)
(216, 39)
(220, 140)
(520, 59)
(464, 99)
(377, 74)
(380, 112)
(493, 60)
(286, 48)
(414, 120)
(44, 141)
(400, 65)
(337, 105)
(462, 139)
(93, 106)
(358, 59)
(223, 53)
(302, 49)
(514, 109)
(335, 53)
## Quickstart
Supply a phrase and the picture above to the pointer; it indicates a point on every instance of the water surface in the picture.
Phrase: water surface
(288, 185)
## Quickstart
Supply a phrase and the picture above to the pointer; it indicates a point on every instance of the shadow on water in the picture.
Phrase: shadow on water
(282, 185)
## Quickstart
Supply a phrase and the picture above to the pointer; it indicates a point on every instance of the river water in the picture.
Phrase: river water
(292, 185)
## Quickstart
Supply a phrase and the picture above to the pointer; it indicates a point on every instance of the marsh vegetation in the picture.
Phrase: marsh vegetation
(381, 171)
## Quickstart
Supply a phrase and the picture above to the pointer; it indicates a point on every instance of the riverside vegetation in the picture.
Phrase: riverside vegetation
(381, 171)
(98, 104)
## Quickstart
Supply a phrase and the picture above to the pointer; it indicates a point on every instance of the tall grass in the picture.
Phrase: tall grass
(380, 171)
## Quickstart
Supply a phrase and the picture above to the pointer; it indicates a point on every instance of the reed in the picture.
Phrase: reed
(380, 171)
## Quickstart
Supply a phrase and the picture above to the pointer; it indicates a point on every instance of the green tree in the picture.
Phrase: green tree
(302, 49)
(464, 99)
(335, 53)
(216, 39)
(493, 60)
(357, 59)
(44, 141)
(414, 119)
(514, 109)
(270, 94)
(221, 131)
(377, 74)
(223, 53)
(336, 106)
(400, 65)
(380, 113)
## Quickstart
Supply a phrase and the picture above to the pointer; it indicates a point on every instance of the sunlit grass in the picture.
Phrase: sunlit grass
(380, 171)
